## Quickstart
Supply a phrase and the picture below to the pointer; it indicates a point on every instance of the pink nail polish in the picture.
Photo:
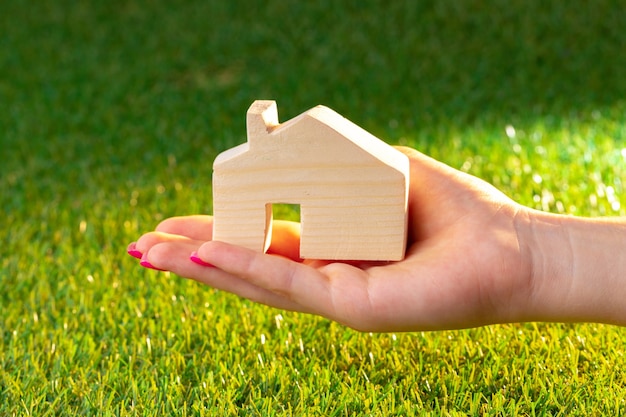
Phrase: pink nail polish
(132, 251)
(196, 259)
(144, 262)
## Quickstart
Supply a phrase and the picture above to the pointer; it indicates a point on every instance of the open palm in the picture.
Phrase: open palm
(464, 265)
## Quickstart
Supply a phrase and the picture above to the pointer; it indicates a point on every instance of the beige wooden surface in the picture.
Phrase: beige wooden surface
(351, 186)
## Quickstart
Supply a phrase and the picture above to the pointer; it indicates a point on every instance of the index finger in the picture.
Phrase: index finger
(285, 234)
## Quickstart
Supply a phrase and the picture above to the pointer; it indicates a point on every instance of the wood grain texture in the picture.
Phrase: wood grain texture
(351, 186)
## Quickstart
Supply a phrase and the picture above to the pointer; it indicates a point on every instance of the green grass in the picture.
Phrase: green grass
(112, 112)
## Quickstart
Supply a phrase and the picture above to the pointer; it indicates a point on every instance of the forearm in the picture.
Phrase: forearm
(578, 268)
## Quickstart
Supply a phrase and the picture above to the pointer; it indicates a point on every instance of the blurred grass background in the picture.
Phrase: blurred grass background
(111, 114)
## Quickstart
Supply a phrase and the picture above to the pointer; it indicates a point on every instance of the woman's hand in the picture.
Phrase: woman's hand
(464, 265)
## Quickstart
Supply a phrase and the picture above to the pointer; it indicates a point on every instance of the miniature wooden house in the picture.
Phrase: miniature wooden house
(352, 187)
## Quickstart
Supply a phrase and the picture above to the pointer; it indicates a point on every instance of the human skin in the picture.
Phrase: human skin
(474, 257)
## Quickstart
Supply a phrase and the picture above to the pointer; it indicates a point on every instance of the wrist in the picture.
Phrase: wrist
(577, 268)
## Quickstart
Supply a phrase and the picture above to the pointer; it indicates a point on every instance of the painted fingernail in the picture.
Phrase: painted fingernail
(196, 259)
(144, 262)
(132, 251)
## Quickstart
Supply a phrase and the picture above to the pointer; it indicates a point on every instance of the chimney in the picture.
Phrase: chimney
(262, 116)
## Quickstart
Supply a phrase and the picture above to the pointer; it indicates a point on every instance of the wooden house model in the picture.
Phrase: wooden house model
(352, 187)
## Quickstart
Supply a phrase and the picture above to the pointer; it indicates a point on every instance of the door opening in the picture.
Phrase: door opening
(279, 211)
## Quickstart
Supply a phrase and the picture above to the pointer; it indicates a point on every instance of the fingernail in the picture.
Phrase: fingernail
(132, 251)
(144, 262)
(196, 259)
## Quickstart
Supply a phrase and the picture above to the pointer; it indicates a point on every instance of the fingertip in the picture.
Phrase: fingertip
(228, 257)
(133, 251)
(195, 258)
(211, 251)
(145, 242)
(147, 264)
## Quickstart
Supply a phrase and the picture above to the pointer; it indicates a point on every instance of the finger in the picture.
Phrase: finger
(174, 256)
(286, 239)
(285, 234)
(197, 227)
(148, 240)
(299, 283)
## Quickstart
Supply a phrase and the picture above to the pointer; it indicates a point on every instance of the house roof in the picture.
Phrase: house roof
(263, 122)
